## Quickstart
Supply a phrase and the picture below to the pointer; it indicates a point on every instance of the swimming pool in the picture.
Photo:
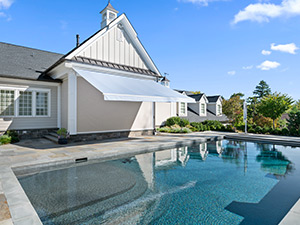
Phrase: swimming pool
(223, 182)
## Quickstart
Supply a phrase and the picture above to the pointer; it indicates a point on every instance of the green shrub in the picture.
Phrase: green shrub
(172, 121)
(285, 131)
(5, 139)
(266, 130)
(258, 130)
(183, 122)
(229, 128)
(186, 130)
(196, 126)
(251, 130)
(14, 136)
(164, 130)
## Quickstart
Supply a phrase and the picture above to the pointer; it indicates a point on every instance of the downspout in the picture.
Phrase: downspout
(154, 111)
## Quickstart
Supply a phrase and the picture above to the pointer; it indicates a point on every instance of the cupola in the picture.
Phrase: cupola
(165, 82)
(109, 13)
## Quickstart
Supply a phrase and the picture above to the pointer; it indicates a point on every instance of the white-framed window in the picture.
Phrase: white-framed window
(219, 110)
(24, 102)
(42, 105)
(7, 102)
(182, 108)
(202, 108)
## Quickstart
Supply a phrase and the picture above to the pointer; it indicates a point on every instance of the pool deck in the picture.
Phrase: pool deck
(32, 156)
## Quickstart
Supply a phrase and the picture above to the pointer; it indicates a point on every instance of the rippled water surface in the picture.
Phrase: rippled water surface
(223, 182)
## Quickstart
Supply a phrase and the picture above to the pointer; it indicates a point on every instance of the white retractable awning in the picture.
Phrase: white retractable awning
(119, 88)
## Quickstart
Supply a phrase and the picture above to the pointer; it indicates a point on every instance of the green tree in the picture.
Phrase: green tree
(297, 104)
(262, 90)
(274, 105)
(294, 120)
(196, 92)
(237, 94)
(233, 109)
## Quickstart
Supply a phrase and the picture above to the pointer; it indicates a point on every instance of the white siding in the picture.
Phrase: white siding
(23, 123)
(109, 48)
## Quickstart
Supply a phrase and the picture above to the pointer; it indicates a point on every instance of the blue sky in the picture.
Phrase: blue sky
(214, 46)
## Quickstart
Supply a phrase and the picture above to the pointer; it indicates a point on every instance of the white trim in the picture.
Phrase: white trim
(72, 103)
(59, 106)
(112, 131)
(14, 87)
(32, 82)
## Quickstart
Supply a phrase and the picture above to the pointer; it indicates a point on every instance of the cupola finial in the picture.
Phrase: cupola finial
(109, 13)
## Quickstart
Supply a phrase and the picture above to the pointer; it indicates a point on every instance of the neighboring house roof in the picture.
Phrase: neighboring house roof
(192, 116)
(114, 66)
(197, 97)
(213, 99)
(184, 92)
(25, 63)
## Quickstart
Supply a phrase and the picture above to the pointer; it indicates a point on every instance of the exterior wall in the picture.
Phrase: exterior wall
(164, 111)
(64, 104)
(27, 123)
(110, 47)
(96, 115)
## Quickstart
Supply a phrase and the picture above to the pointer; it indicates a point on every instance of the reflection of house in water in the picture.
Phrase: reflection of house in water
(145, 162)
(176, 156)
(215, 147)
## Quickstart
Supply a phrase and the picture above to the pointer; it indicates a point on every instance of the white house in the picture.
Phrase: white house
(215, 104)
(108, 85)
(200, 106)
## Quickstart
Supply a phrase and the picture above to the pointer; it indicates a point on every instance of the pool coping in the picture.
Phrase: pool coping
(21, 210)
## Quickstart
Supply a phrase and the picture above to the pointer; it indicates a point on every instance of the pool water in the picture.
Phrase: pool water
(223, 182)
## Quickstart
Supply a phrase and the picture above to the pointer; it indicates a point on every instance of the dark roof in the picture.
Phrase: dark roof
(25, 63)
(213, 99)
(197, 97)
(114, 66)
(192, 116)
(165, 79)
(183, 91)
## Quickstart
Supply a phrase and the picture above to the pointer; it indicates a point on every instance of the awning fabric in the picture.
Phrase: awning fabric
(119, 88)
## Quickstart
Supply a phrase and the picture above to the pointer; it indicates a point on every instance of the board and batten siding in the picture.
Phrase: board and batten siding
(110, 47)
(28, 123)
(96, 115)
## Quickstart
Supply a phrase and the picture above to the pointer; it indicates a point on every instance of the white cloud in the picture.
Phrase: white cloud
(247, 67)
(263, 12)
(231, 73)
(5, 4)
(289, 48)
(267, 65)
(265, 52)
(201, 2)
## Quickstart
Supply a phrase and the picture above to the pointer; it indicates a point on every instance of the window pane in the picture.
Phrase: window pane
(7, 103)
(182, 108)
(25, 102)
(41, 104)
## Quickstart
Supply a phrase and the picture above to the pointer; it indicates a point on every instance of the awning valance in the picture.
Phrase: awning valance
(119, 88)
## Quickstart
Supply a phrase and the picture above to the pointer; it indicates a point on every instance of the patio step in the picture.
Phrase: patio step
(51, 138)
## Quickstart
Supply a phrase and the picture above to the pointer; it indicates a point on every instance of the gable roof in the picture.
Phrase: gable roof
(197, 97)
(213, 99)
(132, 35)
(25, 63)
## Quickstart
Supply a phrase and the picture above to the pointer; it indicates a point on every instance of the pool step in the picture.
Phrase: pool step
(52, 137)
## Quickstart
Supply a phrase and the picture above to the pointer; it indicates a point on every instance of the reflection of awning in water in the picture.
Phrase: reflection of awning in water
(119, 88)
